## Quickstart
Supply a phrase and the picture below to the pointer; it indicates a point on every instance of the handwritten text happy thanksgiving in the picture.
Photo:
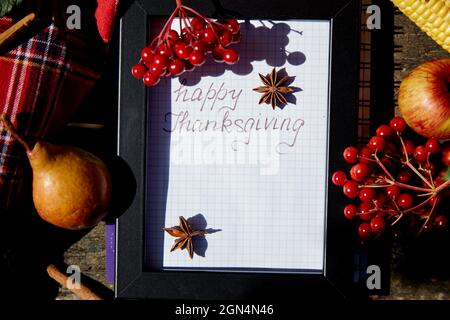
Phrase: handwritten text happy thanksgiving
(221, 103)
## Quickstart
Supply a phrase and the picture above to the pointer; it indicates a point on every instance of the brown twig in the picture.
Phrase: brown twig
(18, 26)
(7, 125)
(83, 292)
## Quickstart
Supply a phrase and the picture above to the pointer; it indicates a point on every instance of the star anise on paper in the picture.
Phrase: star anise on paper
(273, 89)
(184, 234)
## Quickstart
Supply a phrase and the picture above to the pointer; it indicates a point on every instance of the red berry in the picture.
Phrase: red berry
(404, 176)
(230, 56)
(350, 211)
(186, 34)
(392, 192)
(138, 71)
(197, 58)
(377, 224)
(364, 230)
(379, 200)
(176, 67)
(433, 146)
(398, 124)
(360, 172)
(197, 23)
(339, 178)
(161, 61)
(441, 222)
(217, 54)
(377, 143)
(150, 79)
(156, 69)
(199, 46)
(196, 35)
(421, 154)
(405, 201)
(366, 211)
(233, 25)
(173, 35)
(384, 131)
(367, 194)
(164, 50)
(147, 55)
(351, 189)
(182, 50)
(409, 146)
(226, 37)
(365, 154)
(350, 154)
(209, 36)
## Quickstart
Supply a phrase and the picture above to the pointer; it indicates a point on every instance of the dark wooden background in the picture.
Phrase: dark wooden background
(419, 270)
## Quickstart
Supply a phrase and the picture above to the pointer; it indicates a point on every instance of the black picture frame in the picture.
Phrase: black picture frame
(132, 279)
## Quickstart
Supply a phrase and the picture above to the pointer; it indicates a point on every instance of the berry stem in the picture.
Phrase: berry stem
(443, 186)
(403, 146)
(428, 217)
(408, 163)
(196, 13)
(386, 171)
(208, 21)
(392, 158)
(398, 210)
(430, 175)
(375, 186)
(419, 174)
(413, 188)
(397, 220)
(164, 30)
(367, 159)
(7, 125)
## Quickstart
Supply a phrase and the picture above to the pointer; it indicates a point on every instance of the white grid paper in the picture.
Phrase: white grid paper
(270, 207)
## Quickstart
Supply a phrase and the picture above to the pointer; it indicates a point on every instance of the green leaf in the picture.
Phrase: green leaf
(7, 5)
(447, 174)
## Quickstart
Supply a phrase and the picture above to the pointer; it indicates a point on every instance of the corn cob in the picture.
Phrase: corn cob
(432, 16)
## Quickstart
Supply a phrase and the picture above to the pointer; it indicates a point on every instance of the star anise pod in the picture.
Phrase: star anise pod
(184, 234)
(273, 89)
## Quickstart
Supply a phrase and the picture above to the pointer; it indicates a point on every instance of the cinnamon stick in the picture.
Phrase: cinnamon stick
(18, 26)
(83, 292)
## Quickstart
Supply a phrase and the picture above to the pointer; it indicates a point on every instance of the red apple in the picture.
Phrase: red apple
(424, 99)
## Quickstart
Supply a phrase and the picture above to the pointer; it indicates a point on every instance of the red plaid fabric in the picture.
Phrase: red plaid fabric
(42, 82)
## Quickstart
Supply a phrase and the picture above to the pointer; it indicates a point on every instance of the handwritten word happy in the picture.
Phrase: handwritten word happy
(212, 95)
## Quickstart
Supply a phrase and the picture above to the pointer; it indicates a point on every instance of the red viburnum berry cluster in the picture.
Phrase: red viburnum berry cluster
(171, 53)
(392, 179)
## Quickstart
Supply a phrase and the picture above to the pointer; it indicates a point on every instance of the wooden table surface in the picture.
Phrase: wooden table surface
(406, 281)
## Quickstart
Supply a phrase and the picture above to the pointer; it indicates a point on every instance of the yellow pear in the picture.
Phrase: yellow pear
(71, 187)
